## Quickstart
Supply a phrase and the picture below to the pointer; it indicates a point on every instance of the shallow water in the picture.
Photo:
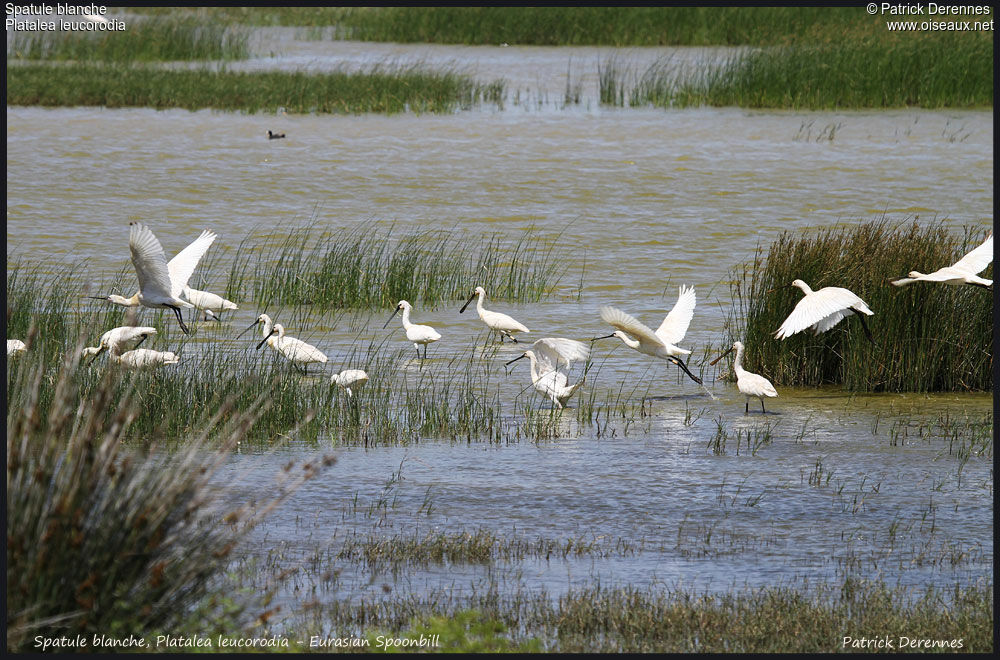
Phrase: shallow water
(643, 200)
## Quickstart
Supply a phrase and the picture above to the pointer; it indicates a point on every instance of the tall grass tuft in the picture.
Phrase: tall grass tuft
(368, 267)
(943, 70)
(102, 539)
(154, 39)
(405, 88)
(931, 337)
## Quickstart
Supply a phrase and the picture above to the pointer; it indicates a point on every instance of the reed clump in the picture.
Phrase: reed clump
(931, 337)
(381, 89)
(369, 267)
(154, 39)
(107, 540)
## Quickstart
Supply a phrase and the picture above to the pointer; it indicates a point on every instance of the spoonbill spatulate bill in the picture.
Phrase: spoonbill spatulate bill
(639, 337)
(748, 383)
(964, 271)
(823, 309)
(546, 356)
(502, 324)
(295, 350)
(418, 334)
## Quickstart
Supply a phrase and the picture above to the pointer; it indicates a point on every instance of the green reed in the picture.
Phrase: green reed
(163, 38)
(369, 267)
(931, 337)
(104, 539)
(930, 71)
(381, 89)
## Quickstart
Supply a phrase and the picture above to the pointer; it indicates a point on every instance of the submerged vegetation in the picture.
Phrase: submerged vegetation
(380, 89)
(930, 337)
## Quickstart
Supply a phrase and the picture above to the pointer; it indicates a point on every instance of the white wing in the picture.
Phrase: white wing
(149, 262)
(823, 308)
(675, 325)
(550, 352)
(630, 325)
(184, 262)
(977, 260)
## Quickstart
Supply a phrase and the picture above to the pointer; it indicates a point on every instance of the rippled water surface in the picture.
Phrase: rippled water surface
(643, 200)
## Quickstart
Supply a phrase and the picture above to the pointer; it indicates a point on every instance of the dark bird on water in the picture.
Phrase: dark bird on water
(274, 136)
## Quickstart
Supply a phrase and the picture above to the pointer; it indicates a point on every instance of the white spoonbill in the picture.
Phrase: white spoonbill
(137, 358)
(121, 336)
(350, 378)
(964, 271)
(823, 309)
(418, 334)
(656, 344)
(296, 350)
(266, 326)
(748, 383)
(501, 323)
(15, 346)
(210, 304)
(180, 268)
(546, 355)
(160, 283)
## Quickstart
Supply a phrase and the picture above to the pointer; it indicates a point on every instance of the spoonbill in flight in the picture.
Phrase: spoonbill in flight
(161, 283)
(418, 334)
(659, 344)
(546, 356)
(964, 271)
(823, 309)
(500, 323)
(748, 383)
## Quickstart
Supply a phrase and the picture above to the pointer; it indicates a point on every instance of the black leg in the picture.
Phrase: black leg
(761, 405)
(746, 411)
(864, 326)
(177, 313)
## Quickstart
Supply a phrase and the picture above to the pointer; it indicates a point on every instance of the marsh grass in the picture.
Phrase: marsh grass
(930, 338)
(804, 618)
(381, 89)
(369, 267)
(104, 539)
(153, 39)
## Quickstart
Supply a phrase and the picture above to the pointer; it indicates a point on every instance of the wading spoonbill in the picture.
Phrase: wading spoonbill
(748, 383)
(161, 283)
(266, 326)
(121, 336)
(15, 346)
(546, 355)
(349, 379)
(823, 309)
(964, 271)
(500, 323)
(659, 344)
(295, 350)
(418, 334)
(137, 358)
(210, 304)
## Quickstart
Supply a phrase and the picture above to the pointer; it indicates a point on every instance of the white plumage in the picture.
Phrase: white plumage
(659, 344)
(750, 384)
(964, 271)
(15, 346)
(210, 304)
(295, 350)
(121, 336)
(116, 340)
(350, 379)
(503, 324)
(823, 309)
(148, 256)
(418, 334)
(546, 356)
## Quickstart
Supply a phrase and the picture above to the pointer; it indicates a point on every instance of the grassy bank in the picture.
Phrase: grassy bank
(561, 26)
(380, 89)
(367, 267)
(164, 38)
(930, 338)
